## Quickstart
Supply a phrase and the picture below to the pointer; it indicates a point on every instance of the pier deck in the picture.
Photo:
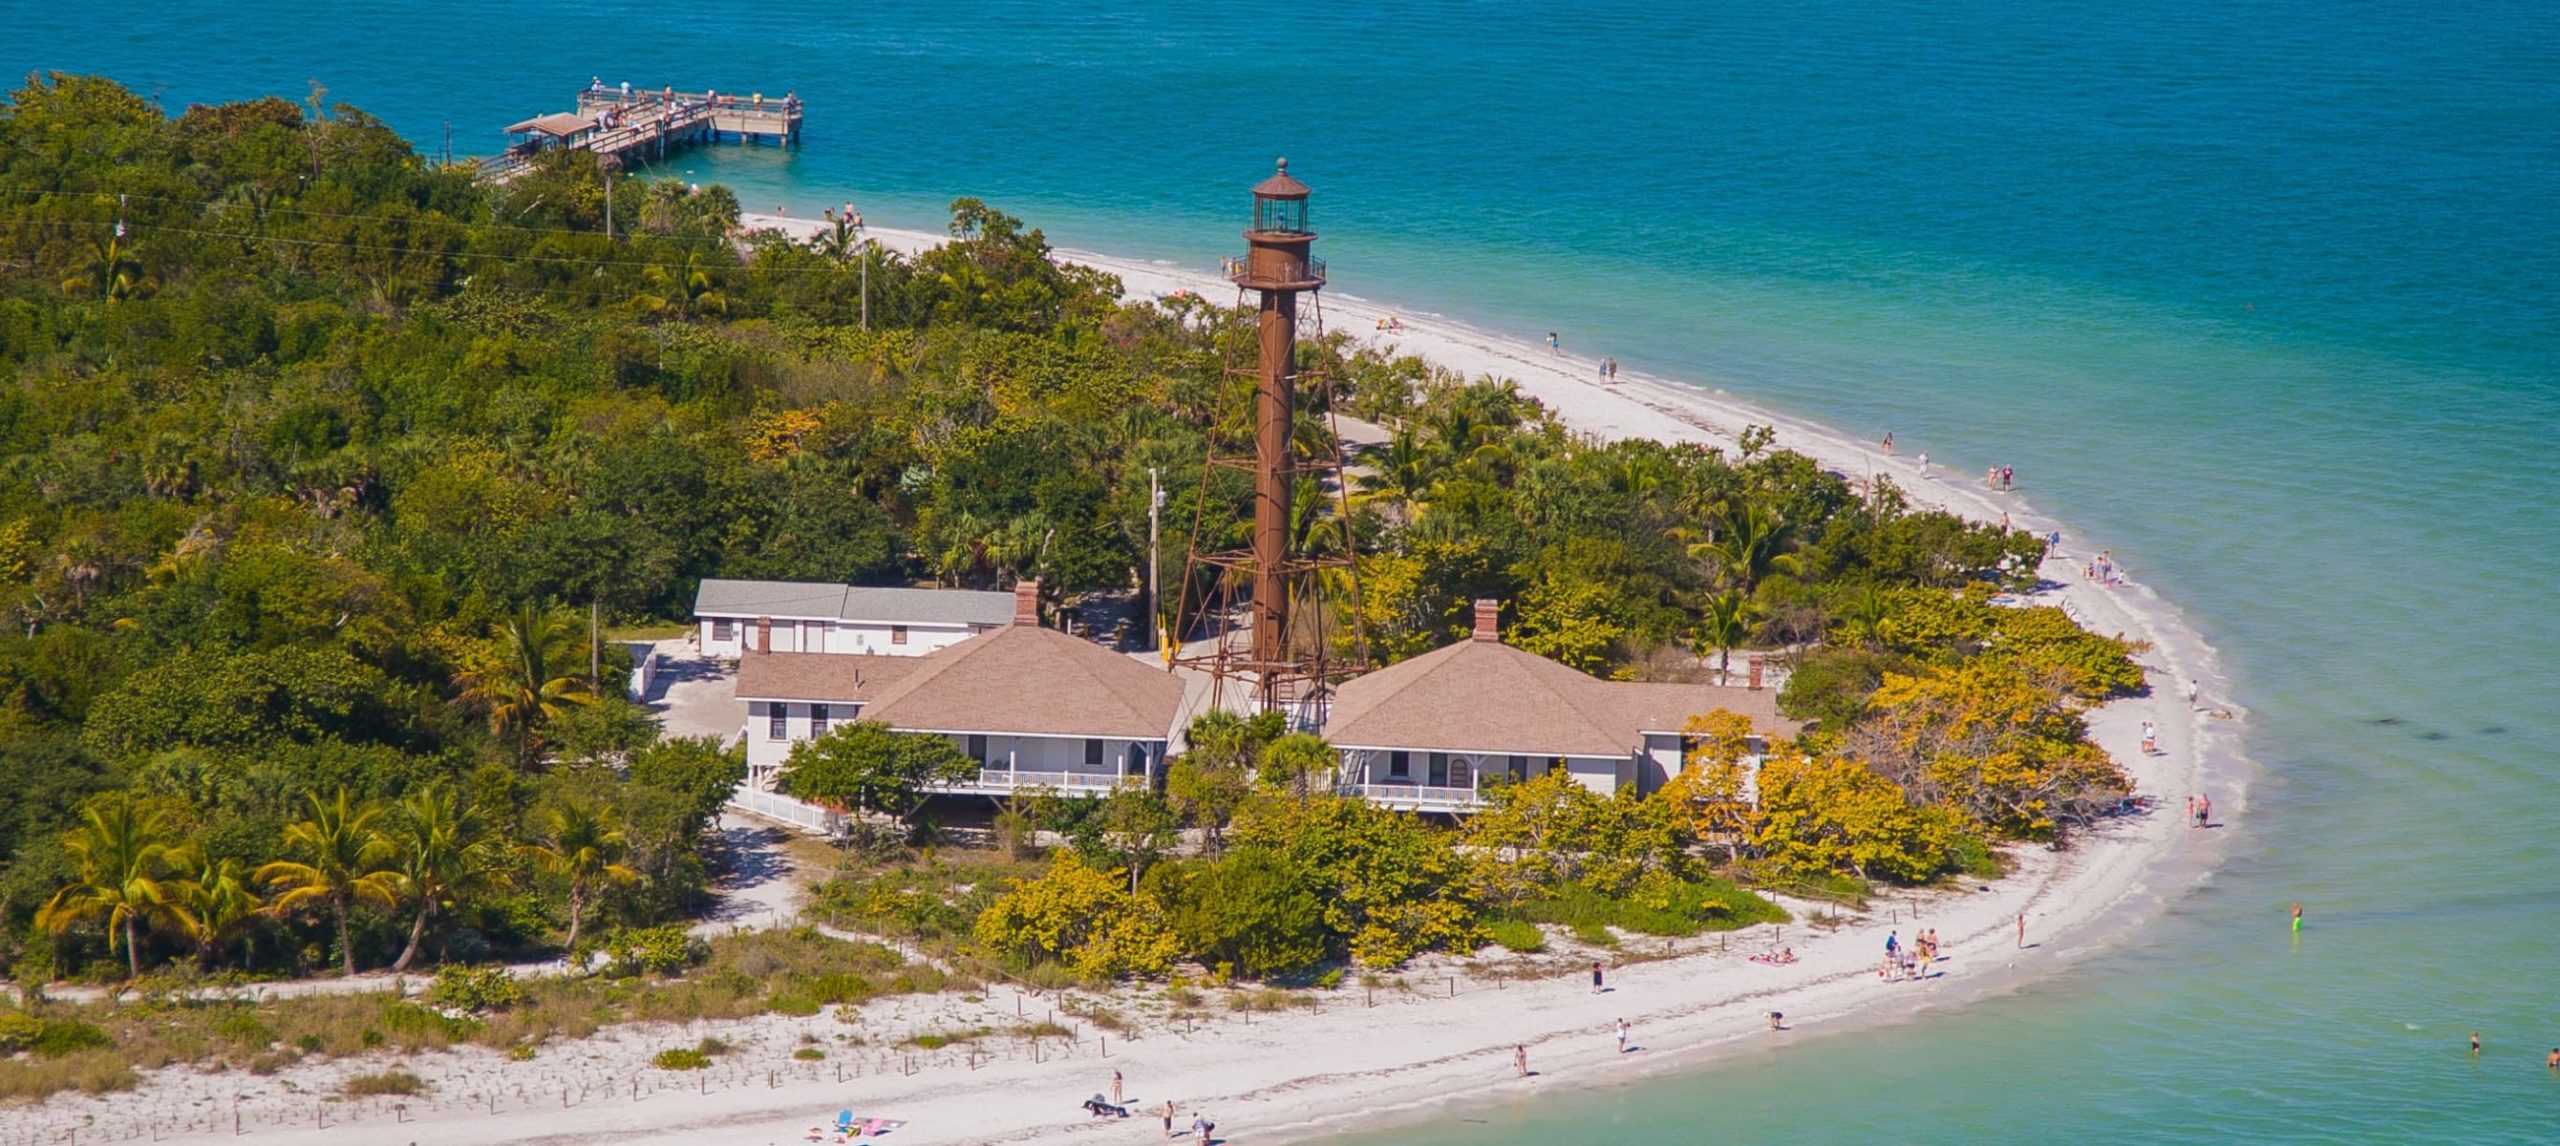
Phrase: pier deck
(623, 127)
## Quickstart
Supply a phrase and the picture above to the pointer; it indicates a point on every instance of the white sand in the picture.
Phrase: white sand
(1351, 1064)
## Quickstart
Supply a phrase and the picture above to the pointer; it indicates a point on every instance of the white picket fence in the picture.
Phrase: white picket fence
(778, 807)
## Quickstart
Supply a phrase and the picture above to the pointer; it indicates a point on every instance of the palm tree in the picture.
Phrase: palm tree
(534, 683)
(113, 273)
(345, 860)
(1752, 544)
(215, 906)
(446, 855)
(687, 290)
(1725, 623)
(1865, 617)
(581, 843)
(123, 856)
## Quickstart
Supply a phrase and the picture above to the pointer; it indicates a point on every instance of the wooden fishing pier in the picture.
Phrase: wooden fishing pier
(624, 125)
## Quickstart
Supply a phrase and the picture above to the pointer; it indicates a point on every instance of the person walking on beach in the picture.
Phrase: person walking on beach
(1168, 1119)
(1555, 346)
(2150, 739)
(2022, 931)
(1115, 1089)
(2191, 695)
(1596, 978)
(1888, 443)
(2204, 810)
(1613, 371)
(1520, 1060)
(1924, 463)
(1623, 1029)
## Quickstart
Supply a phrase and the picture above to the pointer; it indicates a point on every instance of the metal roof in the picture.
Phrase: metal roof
(804, 600)
(1281, 185)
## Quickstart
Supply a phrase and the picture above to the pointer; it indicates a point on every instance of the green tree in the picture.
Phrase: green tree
(1750, 544)
(1724, 623)
(1085, 918)
(447, 855)
(1254, 910)
(123, 856)
(343, 858)
(867, 767)
(1300, 764)
(530, 679)
(215, 905)
(582, 845)
(696, 770)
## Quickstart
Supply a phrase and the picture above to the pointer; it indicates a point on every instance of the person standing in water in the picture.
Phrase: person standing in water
(2297, 917)
(1555, 346)
(2475, 1044)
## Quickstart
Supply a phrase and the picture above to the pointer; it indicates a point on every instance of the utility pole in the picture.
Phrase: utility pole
(608, 204)
(1155, 602)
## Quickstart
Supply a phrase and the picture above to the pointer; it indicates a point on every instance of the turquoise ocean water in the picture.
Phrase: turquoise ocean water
(2265, 296)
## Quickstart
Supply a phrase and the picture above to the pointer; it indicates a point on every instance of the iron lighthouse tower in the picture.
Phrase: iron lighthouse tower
(1287, 654)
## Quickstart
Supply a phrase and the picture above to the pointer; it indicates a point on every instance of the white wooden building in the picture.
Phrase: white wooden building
(732, 618)
(1431, 733)
(1034, 706)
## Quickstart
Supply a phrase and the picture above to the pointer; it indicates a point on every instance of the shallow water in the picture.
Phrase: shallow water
(2262, 296)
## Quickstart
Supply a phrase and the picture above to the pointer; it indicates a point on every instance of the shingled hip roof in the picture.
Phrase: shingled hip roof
(1483, 696)
(1017, 680)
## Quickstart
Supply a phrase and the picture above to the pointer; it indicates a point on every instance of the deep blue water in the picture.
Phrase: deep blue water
(2264, 296)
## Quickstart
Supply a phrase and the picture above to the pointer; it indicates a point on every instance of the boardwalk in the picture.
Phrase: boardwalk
(622, 127)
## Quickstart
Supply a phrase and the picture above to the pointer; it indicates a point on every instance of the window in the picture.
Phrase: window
(1519, 768)
(1438, 776)
(1399, 765)
(1093, 755)
(977, 749)
(1137, 759)
(817, 721)
(723, 629)
(897, 634)
(780, 726)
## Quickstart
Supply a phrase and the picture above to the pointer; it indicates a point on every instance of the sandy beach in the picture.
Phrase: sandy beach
(1439, 1034)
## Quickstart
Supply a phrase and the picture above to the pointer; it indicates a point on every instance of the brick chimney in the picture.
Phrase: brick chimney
(764, 634)
(1026, 603)
(1488, 619)
(1755, 663)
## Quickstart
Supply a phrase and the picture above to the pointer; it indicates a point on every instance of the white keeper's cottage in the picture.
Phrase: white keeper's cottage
(1431, 733)
(1033, 706)
(733, 618)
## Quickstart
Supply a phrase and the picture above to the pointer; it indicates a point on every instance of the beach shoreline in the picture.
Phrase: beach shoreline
(1302, 1075)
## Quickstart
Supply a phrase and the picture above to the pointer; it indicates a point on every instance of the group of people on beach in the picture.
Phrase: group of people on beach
(1391, 324)
(1117, 1106)
(2102, 569)
(2000, 478)
(1608, 371)
(1908, 960)
(2200, 815)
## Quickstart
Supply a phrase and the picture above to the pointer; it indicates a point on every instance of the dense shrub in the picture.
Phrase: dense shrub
(476, 989)
(681, 1058)
(389, 1082)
